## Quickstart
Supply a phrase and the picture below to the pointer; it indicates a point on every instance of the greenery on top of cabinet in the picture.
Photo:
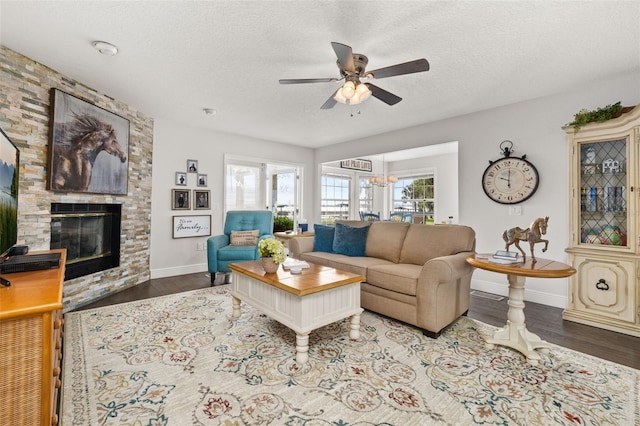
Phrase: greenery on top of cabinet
(598, 115)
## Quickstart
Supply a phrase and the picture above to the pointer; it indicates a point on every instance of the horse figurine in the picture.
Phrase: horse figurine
(532, 234)
(85, 137)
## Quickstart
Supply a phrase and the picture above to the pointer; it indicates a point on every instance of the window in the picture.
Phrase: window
(365, 195)
(251, 184)
(243, 189)
(334, 198)
(415, 194)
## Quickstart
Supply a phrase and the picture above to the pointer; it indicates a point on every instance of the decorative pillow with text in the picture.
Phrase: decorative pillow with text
(244, 238)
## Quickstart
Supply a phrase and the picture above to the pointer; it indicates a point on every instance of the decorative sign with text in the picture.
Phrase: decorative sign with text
(191, 226)
(363, 165)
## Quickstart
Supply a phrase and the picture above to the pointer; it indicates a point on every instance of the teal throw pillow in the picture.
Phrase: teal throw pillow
(350, 241)
(323, 239)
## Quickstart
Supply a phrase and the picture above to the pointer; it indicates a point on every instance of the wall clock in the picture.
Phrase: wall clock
(510, 180)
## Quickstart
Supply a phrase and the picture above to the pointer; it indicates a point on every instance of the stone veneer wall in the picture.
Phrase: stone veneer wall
(24, 116)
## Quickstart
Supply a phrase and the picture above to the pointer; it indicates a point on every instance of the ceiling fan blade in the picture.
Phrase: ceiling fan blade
(306, 80)
(331, 102)
(419, 65)
(386, 97)
(345, 56)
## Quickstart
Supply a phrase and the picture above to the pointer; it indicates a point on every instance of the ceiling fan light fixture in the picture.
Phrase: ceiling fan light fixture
(338, 97)
(348, 90)
(363, 92)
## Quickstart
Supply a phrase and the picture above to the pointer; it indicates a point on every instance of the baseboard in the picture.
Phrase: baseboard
(529, 295)
(178, 270)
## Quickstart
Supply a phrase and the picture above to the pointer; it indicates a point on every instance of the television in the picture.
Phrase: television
(9, 162)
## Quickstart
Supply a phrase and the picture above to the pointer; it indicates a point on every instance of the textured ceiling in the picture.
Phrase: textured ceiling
(178, 57)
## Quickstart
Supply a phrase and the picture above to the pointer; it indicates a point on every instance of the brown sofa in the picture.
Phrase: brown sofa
(414, 273)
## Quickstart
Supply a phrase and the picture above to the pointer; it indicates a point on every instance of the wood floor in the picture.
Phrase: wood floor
(545, 321)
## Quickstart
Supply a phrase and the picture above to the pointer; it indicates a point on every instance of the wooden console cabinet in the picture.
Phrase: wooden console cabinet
(31, 346)
(604, 248)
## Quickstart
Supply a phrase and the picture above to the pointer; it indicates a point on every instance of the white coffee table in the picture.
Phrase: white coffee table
(304, 302)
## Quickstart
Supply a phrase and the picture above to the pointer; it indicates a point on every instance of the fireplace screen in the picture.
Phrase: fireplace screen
(82, 235)
(91, 235)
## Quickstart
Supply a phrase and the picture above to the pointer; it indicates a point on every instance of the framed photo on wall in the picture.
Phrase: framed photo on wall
(181, 179)
(88, 147)
(201, 199)
(192, 166)
(202, 180)
(191, 226)
(180, 199)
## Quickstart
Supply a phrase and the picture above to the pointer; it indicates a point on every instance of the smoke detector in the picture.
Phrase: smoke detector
(105, 48)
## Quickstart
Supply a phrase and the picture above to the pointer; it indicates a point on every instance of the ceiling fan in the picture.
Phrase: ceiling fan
(352, 69)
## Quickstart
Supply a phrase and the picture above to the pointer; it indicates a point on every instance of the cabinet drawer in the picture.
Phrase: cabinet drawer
(604, 287)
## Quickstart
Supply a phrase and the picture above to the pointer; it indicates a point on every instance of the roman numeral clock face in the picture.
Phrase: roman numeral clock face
(510, 180)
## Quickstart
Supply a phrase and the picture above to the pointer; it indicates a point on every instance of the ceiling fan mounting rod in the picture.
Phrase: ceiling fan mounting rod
(360, 62)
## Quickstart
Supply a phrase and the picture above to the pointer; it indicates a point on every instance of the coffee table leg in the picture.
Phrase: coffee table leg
(354, 333)
(302, 348)
(236, 307)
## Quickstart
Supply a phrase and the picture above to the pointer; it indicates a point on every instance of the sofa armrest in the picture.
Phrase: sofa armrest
(213, 244)
(443, 289)
(299, 245)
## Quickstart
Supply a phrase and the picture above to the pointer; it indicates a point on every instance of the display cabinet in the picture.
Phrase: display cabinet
(604, 245)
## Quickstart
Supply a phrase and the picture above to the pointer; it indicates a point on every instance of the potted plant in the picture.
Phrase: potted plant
(272, 253)
(282, 223)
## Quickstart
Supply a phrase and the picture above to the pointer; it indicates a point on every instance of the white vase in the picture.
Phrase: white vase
(269, 265)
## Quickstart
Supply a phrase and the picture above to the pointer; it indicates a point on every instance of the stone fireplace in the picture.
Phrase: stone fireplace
(91, 235)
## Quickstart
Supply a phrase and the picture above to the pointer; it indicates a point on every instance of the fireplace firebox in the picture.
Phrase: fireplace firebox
(90, 233)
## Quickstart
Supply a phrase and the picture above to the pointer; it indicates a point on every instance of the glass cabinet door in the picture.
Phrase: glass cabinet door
(604, 186)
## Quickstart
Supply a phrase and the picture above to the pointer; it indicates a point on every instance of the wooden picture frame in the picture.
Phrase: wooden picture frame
(88, 147)
(191, 226)
(192, 166)
(202, 180)
(181, 179)
(180, 199)
(201, 199)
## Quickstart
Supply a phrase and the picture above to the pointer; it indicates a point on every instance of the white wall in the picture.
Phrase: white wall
(173, 144)
(533, 126)
(535, 129)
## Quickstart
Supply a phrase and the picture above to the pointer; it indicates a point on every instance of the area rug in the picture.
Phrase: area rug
(181, 360)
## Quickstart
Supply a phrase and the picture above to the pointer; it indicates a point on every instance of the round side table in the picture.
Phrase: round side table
(515, 334)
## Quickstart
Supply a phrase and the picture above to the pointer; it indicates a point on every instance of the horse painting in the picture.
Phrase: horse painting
(73, 159)
(532, 234)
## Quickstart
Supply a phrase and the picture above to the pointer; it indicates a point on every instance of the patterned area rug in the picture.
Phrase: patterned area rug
(180, 360)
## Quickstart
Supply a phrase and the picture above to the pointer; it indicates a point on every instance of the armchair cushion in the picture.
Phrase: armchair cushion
(349, 240)
(245, 238)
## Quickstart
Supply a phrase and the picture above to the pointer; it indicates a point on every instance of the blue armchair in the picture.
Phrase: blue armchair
(221, 253)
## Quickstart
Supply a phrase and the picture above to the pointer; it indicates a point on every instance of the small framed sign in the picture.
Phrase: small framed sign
(191, 226)
(358, 164)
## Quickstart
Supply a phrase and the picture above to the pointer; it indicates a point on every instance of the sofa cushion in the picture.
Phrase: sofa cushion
(355, 265)
(244, 238)
(323, 238)
(401, 278)
(349, 240)
(385, 239)
(424, 242)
